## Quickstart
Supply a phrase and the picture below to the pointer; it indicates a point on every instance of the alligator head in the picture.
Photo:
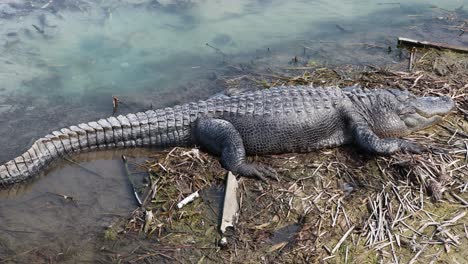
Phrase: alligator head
(401, 112)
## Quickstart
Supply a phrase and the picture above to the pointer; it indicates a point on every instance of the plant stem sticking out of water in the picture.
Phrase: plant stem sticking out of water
(41, 31)
(217, 50)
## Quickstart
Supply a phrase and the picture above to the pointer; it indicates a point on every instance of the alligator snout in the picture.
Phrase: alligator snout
(434, 106)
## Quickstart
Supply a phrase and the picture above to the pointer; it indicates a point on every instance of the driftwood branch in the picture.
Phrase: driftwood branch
(429, 44)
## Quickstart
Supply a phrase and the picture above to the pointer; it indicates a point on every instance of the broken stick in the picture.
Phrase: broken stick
(231, 205)
(411, 59)
(188, 199)
(337, 246)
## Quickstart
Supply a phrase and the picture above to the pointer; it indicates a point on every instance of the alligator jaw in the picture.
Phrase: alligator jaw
(434, 106)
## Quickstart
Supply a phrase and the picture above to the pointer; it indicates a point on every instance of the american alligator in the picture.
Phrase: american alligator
(277, 120)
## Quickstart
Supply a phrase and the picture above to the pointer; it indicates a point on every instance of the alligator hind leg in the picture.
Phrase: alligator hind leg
(221, 138)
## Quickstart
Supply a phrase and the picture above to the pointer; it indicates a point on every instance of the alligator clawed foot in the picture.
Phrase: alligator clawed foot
(414, 148)
(438, 150)
(258, 171)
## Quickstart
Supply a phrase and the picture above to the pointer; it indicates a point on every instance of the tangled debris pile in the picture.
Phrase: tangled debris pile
(332, 205)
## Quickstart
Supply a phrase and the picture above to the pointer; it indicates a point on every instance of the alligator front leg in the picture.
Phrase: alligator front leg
(365, 138)
(221, 138)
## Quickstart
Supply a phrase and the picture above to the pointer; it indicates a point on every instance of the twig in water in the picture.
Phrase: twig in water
(38, 29)
(115, 104)
(47, 4)
(5, 260)
(341, 28)
(66, 197)
(17, 231)
(216, 49)
(83, 167)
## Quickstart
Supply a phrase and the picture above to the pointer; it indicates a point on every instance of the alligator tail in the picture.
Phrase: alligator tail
(160, 128)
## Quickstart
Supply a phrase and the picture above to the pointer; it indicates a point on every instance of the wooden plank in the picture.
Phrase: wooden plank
(429, 44)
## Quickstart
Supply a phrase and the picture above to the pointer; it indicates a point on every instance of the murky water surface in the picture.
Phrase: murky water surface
(65, 210)
(62, 61)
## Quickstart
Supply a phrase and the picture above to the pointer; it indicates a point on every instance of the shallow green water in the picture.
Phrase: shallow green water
(118, 48)
(151, 54)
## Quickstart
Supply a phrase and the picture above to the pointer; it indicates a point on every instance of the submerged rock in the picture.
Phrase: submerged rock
(222, 39)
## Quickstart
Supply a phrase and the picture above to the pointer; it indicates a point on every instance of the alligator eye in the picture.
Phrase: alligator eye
(402, 98)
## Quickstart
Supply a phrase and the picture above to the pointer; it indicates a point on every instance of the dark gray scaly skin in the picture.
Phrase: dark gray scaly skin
(277, 120)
